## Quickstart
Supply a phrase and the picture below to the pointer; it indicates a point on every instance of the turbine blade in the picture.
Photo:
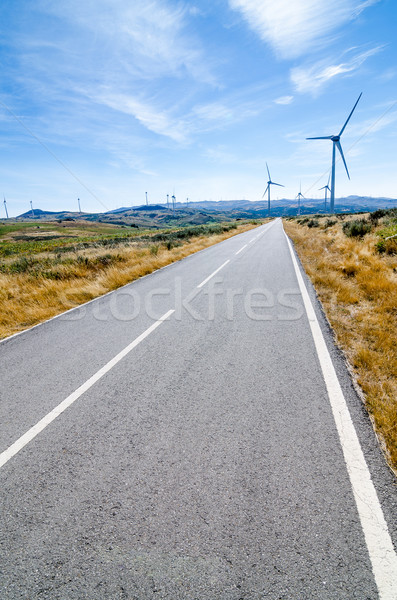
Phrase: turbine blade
(324, 137)
(268, 172)
(265, 191)
(329, 177)
(348, 118)
(343, 158)
(279, 184)
(323, 188)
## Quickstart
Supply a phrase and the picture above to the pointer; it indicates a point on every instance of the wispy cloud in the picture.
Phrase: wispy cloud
(154, 119)
(284, 100)
(294, 28)
(310, 79)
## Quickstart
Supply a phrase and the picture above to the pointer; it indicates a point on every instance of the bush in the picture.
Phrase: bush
(313, 223)
(330, 223)
(377, 214)
(303, 221)
(387, 246)
(356, 228)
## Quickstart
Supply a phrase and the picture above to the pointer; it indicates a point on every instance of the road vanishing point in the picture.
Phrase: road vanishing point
(194, 435)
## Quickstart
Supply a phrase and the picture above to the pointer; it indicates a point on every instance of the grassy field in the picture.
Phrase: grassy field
(353, 267)
(48, 268)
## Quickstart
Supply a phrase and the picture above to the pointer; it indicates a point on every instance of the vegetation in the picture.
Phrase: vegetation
(48, 268)
(356, 280)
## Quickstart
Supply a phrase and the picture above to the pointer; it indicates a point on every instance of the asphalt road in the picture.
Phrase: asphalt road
(181, 438)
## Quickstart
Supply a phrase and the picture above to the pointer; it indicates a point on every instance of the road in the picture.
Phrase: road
(190, 436)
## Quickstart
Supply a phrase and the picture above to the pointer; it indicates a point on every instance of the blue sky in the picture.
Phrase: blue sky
(193, 97)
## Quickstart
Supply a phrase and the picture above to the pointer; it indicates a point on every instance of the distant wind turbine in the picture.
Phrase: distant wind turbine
(326, 188)
(78, 200)
(173, 204)
(5, 206)
(269, 183)
(299, 196)
(31, 208)
(336, 144)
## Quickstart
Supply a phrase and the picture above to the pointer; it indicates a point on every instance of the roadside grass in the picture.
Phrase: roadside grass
(356, 281)
(48, 277)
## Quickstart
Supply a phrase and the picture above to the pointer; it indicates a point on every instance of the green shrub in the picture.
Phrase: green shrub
(356, 228)
(330, 223)
(313, 223)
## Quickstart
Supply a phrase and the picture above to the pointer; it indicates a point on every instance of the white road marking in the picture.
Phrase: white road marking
(212, 274)
(241, 249)
(51, 416)
(380, 546)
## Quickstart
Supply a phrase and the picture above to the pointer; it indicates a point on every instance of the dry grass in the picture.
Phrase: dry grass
(358, 289)
(44, 290)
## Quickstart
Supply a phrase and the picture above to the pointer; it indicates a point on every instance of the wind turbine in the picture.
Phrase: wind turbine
(5, 206)
(78, 200)
(173, 204)
(269, 183)
(299, 196)
(326, 187)
(336, 144)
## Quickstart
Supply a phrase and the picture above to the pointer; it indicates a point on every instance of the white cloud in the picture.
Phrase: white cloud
(154, 119)
(310, 79)
(293, 27)
(284, 100)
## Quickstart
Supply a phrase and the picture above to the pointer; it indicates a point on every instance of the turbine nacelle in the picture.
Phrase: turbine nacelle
(335, 139)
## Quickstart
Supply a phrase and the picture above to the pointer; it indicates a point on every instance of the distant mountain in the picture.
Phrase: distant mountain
(159, 215)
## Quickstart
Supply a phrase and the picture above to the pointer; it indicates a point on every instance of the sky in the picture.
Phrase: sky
(105, 100)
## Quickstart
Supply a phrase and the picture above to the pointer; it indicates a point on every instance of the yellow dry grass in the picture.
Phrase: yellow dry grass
(358, 290)
(26, 299)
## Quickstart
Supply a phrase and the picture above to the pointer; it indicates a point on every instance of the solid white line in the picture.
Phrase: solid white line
(241, 249)
(380, 546)
(51, 416)
(212, 274)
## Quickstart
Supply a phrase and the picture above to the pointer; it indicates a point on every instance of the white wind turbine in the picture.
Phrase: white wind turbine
(326, 188)
(298, 197)
(336, 144)
(269, 183)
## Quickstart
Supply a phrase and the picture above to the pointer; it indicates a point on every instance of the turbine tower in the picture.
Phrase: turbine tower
(146, 199)
(5, 206)
(299, 196)
(173, 204)
(269, 183)
(336, 144)
(326, 188)
(31, 208)
(78, 200)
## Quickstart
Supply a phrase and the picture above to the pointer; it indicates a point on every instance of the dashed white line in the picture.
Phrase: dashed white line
(380, 546)
(58, 410)
(241, 249)
(212, 274)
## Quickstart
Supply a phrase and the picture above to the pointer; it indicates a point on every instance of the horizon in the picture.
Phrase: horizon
(187, 97)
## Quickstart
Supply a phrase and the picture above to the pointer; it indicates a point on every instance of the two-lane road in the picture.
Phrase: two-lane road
(190, 436)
